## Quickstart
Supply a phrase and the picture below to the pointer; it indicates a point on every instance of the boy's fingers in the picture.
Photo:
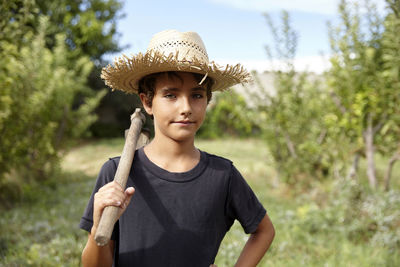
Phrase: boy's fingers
(102, 203)
(111, 185)
(113, 195)
(108, 197)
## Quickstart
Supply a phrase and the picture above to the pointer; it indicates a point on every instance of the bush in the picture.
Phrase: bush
(38, 111)
(228, 115)
(356, 214)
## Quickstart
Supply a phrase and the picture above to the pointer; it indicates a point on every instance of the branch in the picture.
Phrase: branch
(321, 136)
(388, 174)
(379, 126)
(290, 146)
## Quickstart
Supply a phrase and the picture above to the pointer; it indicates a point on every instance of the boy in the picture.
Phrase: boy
(183, 200)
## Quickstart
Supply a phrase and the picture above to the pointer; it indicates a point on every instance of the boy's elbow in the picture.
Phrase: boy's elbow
(272, 232)
(269, 232)
(267, 229)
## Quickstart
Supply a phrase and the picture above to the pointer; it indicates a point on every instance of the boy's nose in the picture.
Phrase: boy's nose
(186, 108)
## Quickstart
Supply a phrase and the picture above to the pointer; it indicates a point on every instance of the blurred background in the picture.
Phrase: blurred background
(316, 135)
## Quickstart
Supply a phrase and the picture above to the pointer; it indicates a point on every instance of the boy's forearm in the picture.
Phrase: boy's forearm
(93, 255)
(257, 245)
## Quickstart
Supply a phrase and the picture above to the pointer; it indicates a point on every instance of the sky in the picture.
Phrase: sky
(234, 31)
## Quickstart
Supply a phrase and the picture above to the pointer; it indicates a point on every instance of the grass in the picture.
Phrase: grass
(333, 224)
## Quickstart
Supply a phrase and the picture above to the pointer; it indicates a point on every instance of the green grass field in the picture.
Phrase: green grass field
(335, 223)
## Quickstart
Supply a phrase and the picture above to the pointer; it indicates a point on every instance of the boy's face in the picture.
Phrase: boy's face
(178, 107)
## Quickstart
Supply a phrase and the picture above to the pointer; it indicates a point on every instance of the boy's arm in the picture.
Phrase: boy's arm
(94, 255)
(111, 194)
(257, 244)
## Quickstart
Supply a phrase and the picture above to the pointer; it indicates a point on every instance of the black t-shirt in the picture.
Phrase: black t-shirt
(178, 219)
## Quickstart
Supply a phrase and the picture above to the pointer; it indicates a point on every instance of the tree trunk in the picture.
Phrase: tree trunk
(388, 174)
(290, 146)
(354, 167)
(322, 136)
(369, 152)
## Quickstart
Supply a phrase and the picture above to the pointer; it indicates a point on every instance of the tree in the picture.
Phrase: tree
(292, 113)
(37, 113)
(89, 26)
(391, 76)
(364, 98)
(17, 18)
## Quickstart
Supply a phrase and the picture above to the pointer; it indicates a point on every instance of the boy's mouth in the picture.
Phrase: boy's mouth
(184, 122)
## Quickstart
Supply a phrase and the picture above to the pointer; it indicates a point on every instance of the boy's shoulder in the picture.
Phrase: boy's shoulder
(217, 161)
(112, 162)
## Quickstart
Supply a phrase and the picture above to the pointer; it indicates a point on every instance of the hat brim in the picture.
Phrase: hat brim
(126, 72)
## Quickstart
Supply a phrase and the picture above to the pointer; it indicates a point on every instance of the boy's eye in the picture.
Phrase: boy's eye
(170, 96)
(197, 96)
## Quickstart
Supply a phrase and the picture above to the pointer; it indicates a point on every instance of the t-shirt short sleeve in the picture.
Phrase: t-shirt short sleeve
(243, 204)
(105, 176)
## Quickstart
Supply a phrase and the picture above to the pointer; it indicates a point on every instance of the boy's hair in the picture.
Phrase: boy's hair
(147, 84)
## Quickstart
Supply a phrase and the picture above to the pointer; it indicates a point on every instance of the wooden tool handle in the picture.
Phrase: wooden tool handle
(110, 213)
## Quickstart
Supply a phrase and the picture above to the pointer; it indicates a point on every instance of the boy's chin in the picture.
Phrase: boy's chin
(183, 137)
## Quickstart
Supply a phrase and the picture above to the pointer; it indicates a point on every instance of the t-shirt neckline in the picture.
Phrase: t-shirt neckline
(174, 176)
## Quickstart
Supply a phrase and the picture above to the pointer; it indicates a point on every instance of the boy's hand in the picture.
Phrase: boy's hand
(111, 194)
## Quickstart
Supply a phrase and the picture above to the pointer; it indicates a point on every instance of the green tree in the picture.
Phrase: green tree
(366, 111)
(89, 26)
(292, 113)
(17, 18)
(391, 76)
(37, 116)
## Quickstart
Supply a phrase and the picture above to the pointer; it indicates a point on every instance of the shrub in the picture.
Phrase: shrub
(228, 115)
(38, 111)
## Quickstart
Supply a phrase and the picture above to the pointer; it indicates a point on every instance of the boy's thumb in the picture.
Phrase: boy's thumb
(129, 191)
(128, 196)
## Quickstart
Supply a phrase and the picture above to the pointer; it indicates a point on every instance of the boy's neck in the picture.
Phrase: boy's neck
(173, 156)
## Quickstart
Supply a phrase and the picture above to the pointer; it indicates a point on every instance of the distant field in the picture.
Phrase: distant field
(329, 225)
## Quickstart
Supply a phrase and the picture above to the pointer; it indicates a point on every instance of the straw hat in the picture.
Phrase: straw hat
(171, 50)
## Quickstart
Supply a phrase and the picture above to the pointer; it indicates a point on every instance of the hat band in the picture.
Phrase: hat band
(177, 44)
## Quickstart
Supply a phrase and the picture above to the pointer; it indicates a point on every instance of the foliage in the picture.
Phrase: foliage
(391, 76)
(42, 230)
(46, 76)
(90, 29)
(228, 115)
(363, 81)
(89, 26)
(304, 119)
(17, 18)
(292, 113)
(114, 113)
(37, 116)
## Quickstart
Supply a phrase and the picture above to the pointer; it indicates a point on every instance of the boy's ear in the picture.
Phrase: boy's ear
(143, 99)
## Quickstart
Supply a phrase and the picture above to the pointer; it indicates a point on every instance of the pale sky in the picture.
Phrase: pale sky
(234, 31)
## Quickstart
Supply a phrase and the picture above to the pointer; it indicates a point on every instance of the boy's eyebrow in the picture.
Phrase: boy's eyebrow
(198, 88)
(166, 89)
(174, 89)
